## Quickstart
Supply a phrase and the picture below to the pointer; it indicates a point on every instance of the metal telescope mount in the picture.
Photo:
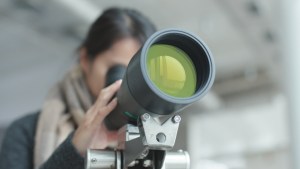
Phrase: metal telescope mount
(146, 146)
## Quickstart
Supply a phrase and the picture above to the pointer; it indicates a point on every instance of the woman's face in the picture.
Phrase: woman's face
(95, 71)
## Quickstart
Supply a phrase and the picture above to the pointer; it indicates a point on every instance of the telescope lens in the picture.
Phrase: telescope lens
(171, 70)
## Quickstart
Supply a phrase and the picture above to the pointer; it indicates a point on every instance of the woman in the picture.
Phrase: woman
(71, 120)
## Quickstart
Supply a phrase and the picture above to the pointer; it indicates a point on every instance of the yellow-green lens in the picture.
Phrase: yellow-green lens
(171, 70)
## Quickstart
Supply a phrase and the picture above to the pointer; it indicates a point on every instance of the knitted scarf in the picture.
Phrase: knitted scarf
(62, 112)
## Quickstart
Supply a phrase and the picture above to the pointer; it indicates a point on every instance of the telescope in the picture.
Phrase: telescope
(172, 70)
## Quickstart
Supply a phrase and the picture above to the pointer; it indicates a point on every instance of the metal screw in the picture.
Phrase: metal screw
(147, 163)
(145, 117)
(94, 160)
(176, 119)
(144, 153)
(133, 163)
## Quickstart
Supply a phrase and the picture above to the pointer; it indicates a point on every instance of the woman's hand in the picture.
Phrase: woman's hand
(92, 133)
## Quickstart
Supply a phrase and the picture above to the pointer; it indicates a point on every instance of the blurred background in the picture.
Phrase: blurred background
(243, 123)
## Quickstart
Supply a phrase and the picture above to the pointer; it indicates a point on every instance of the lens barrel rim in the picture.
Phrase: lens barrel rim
(202, 87)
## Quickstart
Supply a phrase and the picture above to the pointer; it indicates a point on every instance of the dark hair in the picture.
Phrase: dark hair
(115, 24)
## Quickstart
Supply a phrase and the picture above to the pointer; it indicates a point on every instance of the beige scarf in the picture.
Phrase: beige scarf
(62, 111)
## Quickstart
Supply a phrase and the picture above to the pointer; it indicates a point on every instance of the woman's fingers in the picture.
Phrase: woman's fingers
(85, 133)
(93, 122)
(103, 98)
(107, 93)
(103, 112)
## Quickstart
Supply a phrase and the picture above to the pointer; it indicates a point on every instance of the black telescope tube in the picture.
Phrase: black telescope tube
(139, 95)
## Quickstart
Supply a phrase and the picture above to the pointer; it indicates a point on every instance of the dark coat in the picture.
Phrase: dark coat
(18, 148)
